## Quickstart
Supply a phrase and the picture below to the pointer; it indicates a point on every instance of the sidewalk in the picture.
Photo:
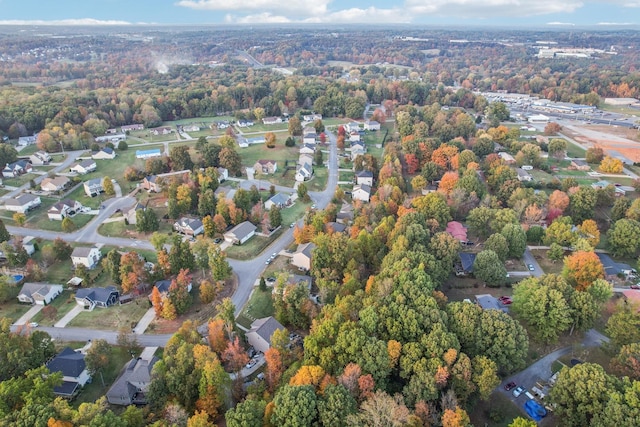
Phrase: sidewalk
(144, 323)
(148, 352)
(69, 316)
(29, 314)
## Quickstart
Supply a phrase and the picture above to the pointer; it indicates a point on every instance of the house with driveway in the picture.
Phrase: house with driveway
(90, 298)
(39, 293)
(74, 372)
(84, 167)
(107, 153)
(189, 226)
(132, 385)
(266, 166)
(361, 192)
(259, 336)
(55, 184)
(23, 203)
(240, 233)
(40, 158)
(279, 200)
(151, 183)
(302, 257)
(93, 187)
(89, 257)
(63, 209)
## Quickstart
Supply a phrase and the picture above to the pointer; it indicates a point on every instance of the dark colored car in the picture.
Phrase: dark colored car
(635, 286)
(217, 240)
(510, 386)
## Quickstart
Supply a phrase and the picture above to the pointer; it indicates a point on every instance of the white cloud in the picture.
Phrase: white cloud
(82, 21)
(570, 24)
(294, 7)
(616, 23)
(261, 18)
(625, 3)
(370, 15)
(491, 8)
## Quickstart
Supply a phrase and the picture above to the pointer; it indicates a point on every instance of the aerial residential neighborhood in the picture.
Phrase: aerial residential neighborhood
(318, 226)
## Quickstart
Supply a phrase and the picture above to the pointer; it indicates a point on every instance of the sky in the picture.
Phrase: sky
(507, 13)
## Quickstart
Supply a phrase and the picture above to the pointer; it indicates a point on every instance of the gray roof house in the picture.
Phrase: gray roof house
(302, 257)
(39, 293)
(364, 177)
(613, 269)
(93, 187)
(84, 167)
(133, 383)
(23, 203)
(240, 233)
(259, 336)
(88, 256)
(280, 200)
(74, 372)
(489, 302)
(189, 226)
(90, 298)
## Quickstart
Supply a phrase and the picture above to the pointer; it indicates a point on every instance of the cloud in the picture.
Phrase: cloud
(492, 8)
(625, 3)
(303, 8)
(82, 21)
(261, 18)
(570, 24)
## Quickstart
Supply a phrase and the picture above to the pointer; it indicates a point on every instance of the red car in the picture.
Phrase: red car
(505, 300)
(509, 386)
(635, 286)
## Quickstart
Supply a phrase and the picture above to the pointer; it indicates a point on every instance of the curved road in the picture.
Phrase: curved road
(248, 272)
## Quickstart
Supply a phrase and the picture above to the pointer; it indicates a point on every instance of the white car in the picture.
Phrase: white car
(34, 324)
(518, 391)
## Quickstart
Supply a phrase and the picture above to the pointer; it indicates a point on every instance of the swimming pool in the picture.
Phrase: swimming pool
(17, 277)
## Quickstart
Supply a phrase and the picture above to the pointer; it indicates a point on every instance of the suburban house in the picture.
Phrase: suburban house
(259, 336)
(128, 128)
(23, 203)
(523, 175)
(307, 149)
(133, 383)
(356, 151)
(465, 266)
(89, 257)
(39, 293)
(164, 285)
(84, 167)
(27, 243)
(112, 138)
(361, 192)
(280, 200)
(312, 117)
(580, 165)
(345, 216)
(220, 125)
(223, 174)
(40, 158)
(457, 230)
(354, 136)
(309, 138)
(371, 125)
(266, 166)
(64, 208)
(189, 226)
(489, 302)
(52, 185)
(91, 298)
(272, 120)
(151, 184)
(131, 214)
(240, 233)
(255, 140)
(352, 126)
(615, 270)
(107, 153)
(302, 257)
(227, 192)
(364, 177)
(191, 128)
(17, 168)
(163, 130)
(305, 158)
(27, 140)
(304, 172)
(507, 158)
(335, 227)
(148, 154)
(74, 372)
(93, 187)
(244, 123)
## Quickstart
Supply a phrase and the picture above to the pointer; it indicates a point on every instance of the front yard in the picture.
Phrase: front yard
(63, 304)
(253, 246)
(112, 318)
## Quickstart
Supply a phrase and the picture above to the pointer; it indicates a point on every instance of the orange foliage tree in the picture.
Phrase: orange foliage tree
(235, 356)
(217, 339)
(308, 375)
(558, 200)
(582, 268)
(156, 301)
(448, 182)
(446, 157)
(275, 368)
(457, 418)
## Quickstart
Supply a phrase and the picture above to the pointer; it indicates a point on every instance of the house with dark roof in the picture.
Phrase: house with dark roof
(87, 256)
(107, 153)
(39, 293)
(64, 208)
(489, 302)
(259, 336)
(164, 285)
(131, 214)
(280, 200)
(465, 266)
(133, 383)
(308, 149)
(361, 192)
(304, 172)
(151, 184)
(240, 233)
(335, 227)
(364, 177)
(91, 298)
(74, 372)
(615, 270)
(189, 226)
(17, 168)
(302, 257)
(309, 138)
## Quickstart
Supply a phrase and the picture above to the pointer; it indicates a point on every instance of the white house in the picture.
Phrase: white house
(148, 154)
(361, 192)
(272, 120)
(93, 187)
(64, 208)
(191, 128)
(508, 158)
(129, 128)
(223, 174)
(312, 117)
(52, 185)
(538, 118)
(304, 172)
(240, 233)
(364, 177)
(352, 126)
(163, 130)
(74, 372)
(302, 257)
(371, 125)
(16, 168)
(280, 200)
(107, 153)
(354, 136)
(23, 203)
(39, 293)
(259, 336)
(27, 140)
(40, 158)
(89, 257)
(309, 138)
(189, 226)
(84, 167)
(523, 175)
(132, 385)
(308, 149)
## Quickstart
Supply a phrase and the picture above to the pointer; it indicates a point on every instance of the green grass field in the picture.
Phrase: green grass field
(319, 180)
(574, 151)
(63, 304)
(280, 153)
(112, 318)
(12, 310)
(259, 305)
(253, 246)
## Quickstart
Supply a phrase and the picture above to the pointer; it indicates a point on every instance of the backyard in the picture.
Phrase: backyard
(259, 305)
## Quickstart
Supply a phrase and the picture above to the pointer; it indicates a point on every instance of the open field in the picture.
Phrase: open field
(319, 180)
(280, 153)
(42, 222)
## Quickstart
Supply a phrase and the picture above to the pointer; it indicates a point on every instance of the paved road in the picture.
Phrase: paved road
(528, 258)
(82, 334)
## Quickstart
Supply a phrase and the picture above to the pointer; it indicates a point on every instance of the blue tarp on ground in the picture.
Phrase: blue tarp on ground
(535, 410)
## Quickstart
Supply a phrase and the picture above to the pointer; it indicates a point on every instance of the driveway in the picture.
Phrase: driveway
(29, 314)
(144, 323)
(69, 316)
(528, 258)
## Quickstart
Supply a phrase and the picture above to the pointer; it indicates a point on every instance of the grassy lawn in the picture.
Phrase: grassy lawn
(590, 355)
(541, 176)
(91, 202)
(63, 304)
(573, 173)
(42, 222)
(346, 176)
(112, 318)
(459, 288)
(294, 212)
(254, 246)
(12, 310)
(19, 181)
(259, 305)
(115, 229)
(575, 151)
(117, 356)
(319, 180)
(546, 264)
(498, 411)
(260, 127)
(280, 153)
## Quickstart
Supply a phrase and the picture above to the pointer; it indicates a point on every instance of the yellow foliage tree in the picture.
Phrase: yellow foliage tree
(611, 165)
(582, 268)
(308, 375)
(589, 230)
(394, 348)
(168, 309)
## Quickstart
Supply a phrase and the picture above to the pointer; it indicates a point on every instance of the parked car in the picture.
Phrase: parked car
(251, 364)
(293, 224)
(635, 286)
(271, 279)
(510, 386)
(535, 410)
(34, 324)
(531, 267)
(517, 391)
(505, 300)
(217, 240)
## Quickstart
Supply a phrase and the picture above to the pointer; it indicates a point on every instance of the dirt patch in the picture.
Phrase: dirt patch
(620, 139)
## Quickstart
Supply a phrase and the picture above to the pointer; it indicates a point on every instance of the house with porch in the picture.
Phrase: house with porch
(93, 187)
(17, 168)
(90, 298)
(240, 233)
(74, 372)
(189, 226)
(23, 203)
(63, 209)
(265, 166)
(39, 293)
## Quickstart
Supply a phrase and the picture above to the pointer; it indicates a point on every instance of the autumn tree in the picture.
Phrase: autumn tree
(448, 182)
(274, 368)
(552, 128)
(627, 361)
(589, 230)
(611, 165)
(594, 155)
(156, 301)
(132, 271)
(235, 356)
(582, 268)
(248, 413)
(623, 327)
(558, 148)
